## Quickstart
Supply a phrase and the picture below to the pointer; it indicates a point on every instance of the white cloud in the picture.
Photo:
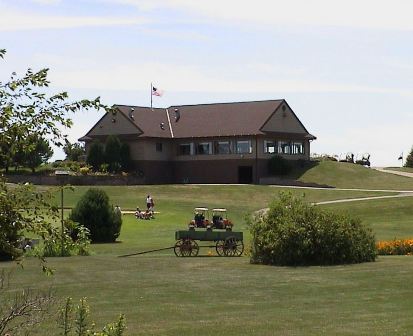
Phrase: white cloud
(373, 14)
(173, 77)
(47, 2)
(13, 20)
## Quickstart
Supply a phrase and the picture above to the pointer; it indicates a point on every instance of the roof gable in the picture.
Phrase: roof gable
(114, 124)
(283, 120)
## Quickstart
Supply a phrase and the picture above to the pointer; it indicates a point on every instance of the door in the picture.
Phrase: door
(245, 174)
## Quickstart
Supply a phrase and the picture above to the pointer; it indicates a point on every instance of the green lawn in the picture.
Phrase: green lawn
(161, 294)
(389, 218)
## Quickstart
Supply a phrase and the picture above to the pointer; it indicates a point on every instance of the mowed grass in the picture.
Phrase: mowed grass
(389, 218)
(165, 295)
(161, 294)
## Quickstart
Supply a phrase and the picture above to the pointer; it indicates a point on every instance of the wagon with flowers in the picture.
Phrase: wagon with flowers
(226, 243)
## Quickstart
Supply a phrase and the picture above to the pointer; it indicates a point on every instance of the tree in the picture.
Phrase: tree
(409, 160)
(40, 153)
(112, 153)
(125, 159)
(96, 155)
(74, 151)
(94, 212)
(22, 211)
(26, 108)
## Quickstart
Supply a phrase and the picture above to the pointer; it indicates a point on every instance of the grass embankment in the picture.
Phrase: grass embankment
(348, 175)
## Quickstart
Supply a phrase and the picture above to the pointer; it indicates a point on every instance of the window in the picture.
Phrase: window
(159, 146)
(244, 147)
(222, 147)
(297, 147)
(203, 148)
(269, 146)
(284, 147)
(186, 149)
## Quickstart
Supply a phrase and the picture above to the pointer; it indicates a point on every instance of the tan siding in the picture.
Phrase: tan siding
(136, 150)
(283, 121)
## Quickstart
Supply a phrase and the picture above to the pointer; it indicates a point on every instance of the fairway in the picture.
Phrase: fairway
(161, 294)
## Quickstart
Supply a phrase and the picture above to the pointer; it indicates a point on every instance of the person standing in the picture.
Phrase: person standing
(148, 202)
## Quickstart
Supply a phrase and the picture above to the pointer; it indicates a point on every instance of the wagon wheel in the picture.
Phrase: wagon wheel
(233, 247)
(186, 248)
(220, 247)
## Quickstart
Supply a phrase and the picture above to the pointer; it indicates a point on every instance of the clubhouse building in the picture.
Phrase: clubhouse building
(206, 143)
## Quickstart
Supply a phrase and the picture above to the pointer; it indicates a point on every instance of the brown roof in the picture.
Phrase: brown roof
(224, 119)
(204, 120)
(149, 121)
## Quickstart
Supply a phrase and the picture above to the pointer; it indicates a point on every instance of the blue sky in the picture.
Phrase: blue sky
(345, 67)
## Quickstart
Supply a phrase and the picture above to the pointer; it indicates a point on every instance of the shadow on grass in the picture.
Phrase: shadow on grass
(299, 168)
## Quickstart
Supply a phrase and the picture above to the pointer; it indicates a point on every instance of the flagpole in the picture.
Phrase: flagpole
(151, 94)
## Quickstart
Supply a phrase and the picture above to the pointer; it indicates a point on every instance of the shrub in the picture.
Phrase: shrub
(75, 242)
(277, 165)
(94, 212)
(95, 156)
(84, 170)
(293, 232)
(75, 320)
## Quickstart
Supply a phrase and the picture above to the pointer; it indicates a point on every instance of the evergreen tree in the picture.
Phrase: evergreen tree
(96, 155)
(94, 212)
(112, 153)
(409, 160)
(125, 159)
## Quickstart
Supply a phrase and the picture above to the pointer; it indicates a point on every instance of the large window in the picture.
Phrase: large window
(284, 147)
(186, 149)
(269, 146)
(203, 148)
(222, 147)
(297, 147)
(244, 147)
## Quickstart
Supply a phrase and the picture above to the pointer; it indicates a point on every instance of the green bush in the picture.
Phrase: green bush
(74, 241)
(96, 155)
(277, 165)
(84, 170)
(295, 233)
(94, 212)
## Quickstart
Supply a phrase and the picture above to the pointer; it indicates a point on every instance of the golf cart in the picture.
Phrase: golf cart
(220, 219)
(201, 218)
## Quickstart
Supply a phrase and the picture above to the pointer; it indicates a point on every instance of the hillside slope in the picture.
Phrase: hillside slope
(348, 175)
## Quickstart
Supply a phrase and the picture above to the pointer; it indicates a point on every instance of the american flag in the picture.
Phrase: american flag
(157, 92)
